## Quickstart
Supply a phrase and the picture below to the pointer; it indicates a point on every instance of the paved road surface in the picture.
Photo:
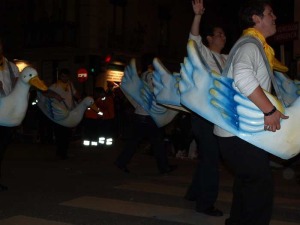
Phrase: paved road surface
(88, 190)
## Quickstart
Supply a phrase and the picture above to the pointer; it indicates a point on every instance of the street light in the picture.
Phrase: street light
(21, 64)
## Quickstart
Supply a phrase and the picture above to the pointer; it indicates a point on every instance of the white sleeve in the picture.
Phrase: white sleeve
(197, 39)
(245, 68)
(14, 69)
(205, 51)
(202, 48)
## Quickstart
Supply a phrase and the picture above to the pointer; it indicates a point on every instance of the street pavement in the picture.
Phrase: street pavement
(88, 189)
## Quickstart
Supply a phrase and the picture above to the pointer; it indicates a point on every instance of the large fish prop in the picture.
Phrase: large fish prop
(166, 86)
(138, 92)
(13, 107)
(62, 115)
(216, 98)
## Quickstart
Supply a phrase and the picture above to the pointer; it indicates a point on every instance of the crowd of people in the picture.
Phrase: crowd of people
(253, 185)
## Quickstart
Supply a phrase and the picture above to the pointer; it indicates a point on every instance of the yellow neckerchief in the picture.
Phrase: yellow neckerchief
(274, 63)
(2, 63)
(64, 86)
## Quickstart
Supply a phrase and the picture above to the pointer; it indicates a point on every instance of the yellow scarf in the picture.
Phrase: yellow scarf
(274, 63)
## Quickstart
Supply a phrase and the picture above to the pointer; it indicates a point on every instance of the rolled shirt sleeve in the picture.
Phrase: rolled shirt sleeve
(249, 70)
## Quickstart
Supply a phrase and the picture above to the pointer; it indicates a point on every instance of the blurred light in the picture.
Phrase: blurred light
(107, 58)
(86, 142)
(94, 143)
(21, 64)
(102, 140)
(34, 102)
(109, 141)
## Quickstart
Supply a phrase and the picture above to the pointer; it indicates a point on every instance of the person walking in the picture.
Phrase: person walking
(145, 127)
(9, 74)
(64, 91)
(253, 187)
(205, 183)
(99, 126)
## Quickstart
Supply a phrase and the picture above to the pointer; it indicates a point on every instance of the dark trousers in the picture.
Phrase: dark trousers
(62, 140)
(95, 128)
(5, 138)
(252, 201)
(91, 129)
(107, 129)
(205, 183)
(45, 127)
(145, 127)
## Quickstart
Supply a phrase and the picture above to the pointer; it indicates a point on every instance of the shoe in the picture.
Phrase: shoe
(211, 211)
(3, 187)
(123, 168)
(170, 169)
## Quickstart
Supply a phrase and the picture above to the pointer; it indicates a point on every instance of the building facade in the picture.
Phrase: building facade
(51, 34)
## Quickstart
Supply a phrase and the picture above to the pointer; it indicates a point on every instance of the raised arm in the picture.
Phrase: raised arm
(198, 9)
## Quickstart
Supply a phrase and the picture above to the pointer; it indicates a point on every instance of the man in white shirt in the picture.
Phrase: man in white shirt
(205, 184)
(64, 91)
(253, 186)
(145, 127)
(8, 77)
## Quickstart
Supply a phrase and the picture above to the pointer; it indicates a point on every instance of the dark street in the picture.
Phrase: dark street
(88, 189)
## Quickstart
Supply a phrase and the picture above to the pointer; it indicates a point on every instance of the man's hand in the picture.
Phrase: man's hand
(198, 7)
(272, 122)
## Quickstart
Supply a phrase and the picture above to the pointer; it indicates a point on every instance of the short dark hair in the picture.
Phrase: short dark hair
(208, 30)
(250, 8)
(64, 71)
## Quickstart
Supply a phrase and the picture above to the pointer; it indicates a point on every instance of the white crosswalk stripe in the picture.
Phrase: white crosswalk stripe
(146, 210)
(180, 191)
(159, 187)
(159, 212)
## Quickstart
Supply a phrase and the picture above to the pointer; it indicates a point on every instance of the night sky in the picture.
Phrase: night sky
(226, 13)
(222, 12)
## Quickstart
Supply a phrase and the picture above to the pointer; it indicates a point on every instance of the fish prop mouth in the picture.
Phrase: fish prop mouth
(36, 82)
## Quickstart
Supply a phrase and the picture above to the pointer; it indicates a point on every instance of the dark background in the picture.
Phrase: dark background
(226, 13)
